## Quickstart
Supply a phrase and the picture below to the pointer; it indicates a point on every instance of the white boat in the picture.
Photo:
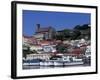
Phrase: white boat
(67, 59)
(77, 60)
(25, 64)
(46, 63)
(34, 64)
(73, 63)
(57, 63)
(31, 64)
(41, 63)
(50, 63)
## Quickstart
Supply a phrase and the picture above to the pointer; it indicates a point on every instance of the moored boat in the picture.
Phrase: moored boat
(57, 63)
(33, 62)
(73, 63)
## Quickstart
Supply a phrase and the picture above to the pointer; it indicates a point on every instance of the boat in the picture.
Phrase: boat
(77, 60)
(41, 63)
(33, 62)
(73, 63)
(50, 63)
(58, 63)
(46, 63)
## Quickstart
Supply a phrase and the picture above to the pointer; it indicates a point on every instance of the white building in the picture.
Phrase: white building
(88, 51)
(35, 47)
(39, 56)
(39, 36)
(49, 48)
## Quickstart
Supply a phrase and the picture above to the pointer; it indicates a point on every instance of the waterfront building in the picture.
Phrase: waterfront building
(39, 56)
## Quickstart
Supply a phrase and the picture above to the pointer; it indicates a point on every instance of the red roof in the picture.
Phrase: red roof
(44, 42)
(31, 39)
(76, 51)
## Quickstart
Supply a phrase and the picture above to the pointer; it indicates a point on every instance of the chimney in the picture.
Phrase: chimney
(38, 26)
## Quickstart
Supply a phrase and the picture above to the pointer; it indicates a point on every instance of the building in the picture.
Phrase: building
(29, 40)
(39, 56)
(44, 33)
(35, 47)
(49, 48)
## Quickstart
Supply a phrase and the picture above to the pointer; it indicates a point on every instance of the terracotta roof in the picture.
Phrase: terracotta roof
(44, 42)
(76, 51)
(31, 39)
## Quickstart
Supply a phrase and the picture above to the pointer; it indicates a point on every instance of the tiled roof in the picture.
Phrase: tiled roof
(30, 39)
(77, 51)
(44, 42)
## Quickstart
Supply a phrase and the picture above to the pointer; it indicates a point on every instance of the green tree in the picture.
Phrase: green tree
(61, 48)
(76, 34)
(83, 27)
(77, 27)
(63, 34)
(26, 51)
(34, 52)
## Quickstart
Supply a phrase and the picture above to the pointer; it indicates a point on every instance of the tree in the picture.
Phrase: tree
(61, 48)
(66, 33)
(26, 51)
(83, 27)
(59, 37)
(77, 27)
(86, 26)
(34, 52)
(63, 34)
(82, 31)
(76, 34)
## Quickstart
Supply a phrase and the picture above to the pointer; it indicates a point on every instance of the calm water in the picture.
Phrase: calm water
(46, 67)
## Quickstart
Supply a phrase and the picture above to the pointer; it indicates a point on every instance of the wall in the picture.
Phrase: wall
(5, 40)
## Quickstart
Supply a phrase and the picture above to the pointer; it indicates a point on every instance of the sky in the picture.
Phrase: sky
(58, 20)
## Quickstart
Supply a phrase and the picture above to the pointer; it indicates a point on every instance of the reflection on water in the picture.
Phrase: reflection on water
(46, 67)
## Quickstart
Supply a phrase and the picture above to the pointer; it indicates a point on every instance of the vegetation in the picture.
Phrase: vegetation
(83, 27)
(77, 32)
(28, 51)
(61, 48)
